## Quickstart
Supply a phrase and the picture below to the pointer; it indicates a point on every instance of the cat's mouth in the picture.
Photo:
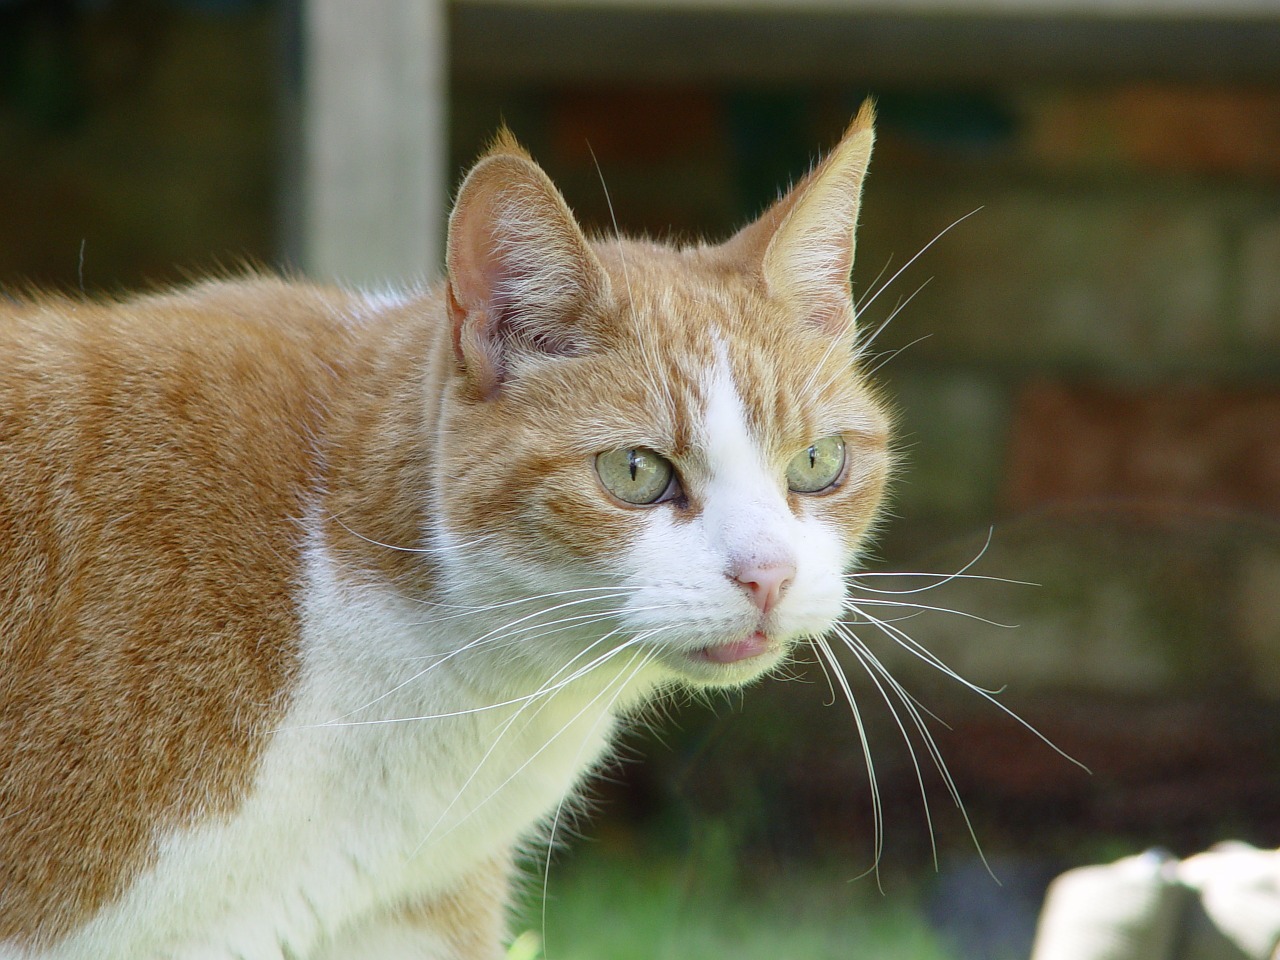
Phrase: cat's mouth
(732, 663)
(756, 645)
(727, 663)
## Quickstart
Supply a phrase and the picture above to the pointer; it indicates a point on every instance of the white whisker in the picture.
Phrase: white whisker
(544, 693)
(545, 696)
(517, 601)
(857, 304)
(559, 812)
(852, 604)
(922, 653)
(525, 698)
(890, 355)
(835, 342)
(902, 619)
(945, 230)
(940, 579)
(391, 546)
(865, 658)
(492, 637)
(831, 690)
(961, 574)
(860, 345)
(657, 384)
(914, 707)
(877, 813)
(509, 636)
(865, 341)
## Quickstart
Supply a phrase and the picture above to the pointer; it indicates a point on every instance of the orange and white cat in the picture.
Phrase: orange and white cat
(315, 604)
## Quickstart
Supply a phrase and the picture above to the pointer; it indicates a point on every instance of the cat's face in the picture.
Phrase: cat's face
(672, 448)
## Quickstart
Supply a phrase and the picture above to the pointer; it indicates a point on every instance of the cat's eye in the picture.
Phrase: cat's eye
(816, 467)
(636, 475)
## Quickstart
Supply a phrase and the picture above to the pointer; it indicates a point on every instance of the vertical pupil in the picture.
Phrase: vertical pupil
(813, 457)
(632, 463)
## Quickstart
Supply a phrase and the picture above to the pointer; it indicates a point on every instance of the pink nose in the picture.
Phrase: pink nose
(766, 582)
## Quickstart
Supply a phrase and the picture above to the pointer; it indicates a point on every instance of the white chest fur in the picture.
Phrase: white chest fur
(348, 813)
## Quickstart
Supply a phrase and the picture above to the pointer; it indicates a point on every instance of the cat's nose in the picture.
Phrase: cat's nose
(766, 582)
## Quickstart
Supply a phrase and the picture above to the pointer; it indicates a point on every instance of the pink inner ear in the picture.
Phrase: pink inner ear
(473, 248)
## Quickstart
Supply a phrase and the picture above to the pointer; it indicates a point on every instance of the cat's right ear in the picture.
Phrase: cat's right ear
(802, 246)
(521, 278)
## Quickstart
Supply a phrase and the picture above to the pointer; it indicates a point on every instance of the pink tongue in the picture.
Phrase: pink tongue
(753, 646)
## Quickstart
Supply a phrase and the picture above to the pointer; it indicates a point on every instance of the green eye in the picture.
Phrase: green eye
(816, 467)
(637, 476)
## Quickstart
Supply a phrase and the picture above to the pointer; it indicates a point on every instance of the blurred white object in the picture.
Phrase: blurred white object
(1219, 905)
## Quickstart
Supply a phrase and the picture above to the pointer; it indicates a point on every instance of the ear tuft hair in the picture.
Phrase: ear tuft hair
(504, 142)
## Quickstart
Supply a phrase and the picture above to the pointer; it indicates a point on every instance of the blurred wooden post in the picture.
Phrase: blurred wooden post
(371, 203)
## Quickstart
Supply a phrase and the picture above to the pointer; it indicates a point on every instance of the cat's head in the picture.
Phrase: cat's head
(672, 446)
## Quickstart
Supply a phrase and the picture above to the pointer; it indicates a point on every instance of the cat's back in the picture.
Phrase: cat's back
(155, 458)
(224, 351)
(120, 422)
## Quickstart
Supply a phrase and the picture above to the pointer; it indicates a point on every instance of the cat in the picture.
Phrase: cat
(316, 605)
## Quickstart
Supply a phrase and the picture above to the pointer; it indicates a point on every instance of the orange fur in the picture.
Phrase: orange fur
(474, 915)
(153, 455)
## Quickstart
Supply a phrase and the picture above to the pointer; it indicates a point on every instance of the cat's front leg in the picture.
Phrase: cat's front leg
(468, 923)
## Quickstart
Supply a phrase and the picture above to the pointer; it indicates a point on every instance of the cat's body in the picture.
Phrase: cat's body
(313, 604)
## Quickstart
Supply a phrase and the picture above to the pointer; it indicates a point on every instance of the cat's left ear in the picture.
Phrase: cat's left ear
(522, 280)
(802, 246)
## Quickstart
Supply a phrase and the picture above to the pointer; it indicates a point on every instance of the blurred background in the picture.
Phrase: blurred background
(1087, 378)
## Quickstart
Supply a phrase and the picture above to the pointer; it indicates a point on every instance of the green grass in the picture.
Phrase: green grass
(612, 905)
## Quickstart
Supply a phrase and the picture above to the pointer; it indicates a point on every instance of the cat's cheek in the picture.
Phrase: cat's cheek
(537, 504)
(584, 526)
(815, 599)
(856, 506)
(678, 586)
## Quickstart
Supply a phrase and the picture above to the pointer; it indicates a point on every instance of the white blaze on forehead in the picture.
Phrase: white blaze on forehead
(745, 509)
(732, 449)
